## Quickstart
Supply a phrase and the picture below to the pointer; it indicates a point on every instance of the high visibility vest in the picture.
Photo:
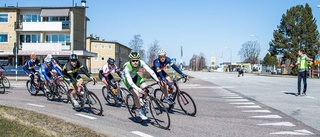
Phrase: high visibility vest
(303, 63)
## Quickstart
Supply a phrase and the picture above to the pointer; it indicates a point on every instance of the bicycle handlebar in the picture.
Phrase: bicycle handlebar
(185, 79)
(94, 82)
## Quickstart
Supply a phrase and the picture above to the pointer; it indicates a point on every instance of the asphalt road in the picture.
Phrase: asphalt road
(226, 106)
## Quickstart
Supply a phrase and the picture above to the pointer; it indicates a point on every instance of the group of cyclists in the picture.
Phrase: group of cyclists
(129, 75)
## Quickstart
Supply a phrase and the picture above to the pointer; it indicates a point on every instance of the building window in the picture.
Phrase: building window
(110, 47)
(29, 38)
(95, 46)
(3, 17)
(3, 38)
(58, 38)
(102, 46)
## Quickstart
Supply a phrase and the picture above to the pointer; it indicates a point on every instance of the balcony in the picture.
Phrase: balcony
(41, 26)
(45, 47)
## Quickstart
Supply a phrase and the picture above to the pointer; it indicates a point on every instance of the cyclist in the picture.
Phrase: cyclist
(46, 70)
(70, 72)
(158, 66)
(105, 73)
(28, 68)
(134, 82)
(54, 61)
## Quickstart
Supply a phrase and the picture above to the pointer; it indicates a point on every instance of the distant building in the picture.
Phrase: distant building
(104, 50)
(43, 30)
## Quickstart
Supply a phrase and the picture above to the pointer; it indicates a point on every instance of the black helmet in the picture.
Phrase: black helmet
(73, 57)
(134, 55)
(111, 61)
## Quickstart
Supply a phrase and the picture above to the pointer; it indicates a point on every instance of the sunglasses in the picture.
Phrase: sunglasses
(162, 56)
(134, 60)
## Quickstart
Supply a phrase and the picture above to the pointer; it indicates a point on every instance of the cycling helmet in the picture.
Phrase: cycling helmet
(33, 55)
(162, 52)
(47, 60)
(49, 56)
(111, 61)
(134, 55)
(73, 57)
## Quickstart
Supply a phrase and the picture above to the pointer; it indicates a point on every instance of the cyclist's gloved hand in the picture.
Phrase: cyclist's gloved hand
(140, 90)
(169, 83)
(184, 75)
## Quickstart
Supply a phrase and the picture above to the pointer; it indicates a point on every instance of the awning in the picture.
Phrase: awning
(54, 13)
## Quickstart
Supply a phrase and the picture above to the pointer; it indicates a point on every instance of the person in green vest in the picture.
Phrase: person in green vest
(302, 63)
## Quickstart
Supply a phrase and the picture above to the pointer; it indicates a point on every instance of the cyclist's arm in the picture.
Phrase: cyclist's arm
(129, 79)
(44, 73)
(85, 71)
(57, 70)
(148, 69)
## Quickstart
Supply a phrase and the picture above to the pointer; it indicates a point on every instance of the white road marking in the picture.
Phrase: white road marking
(310, 97)
(36, 105)
(235, 97)
(242, 103)
(141, 134)
(295, 132)
(266, 116)
(259, 111)
(209, 87)
(85, 116)
(248, 107)
(237, 100)
(289, 124)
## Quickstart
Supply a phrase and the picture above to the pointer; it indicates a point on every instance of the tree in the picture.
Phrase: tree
(153, 51)
(197, 62)
(297, 30)
(250, 52)
(136, 44)
(269, 60)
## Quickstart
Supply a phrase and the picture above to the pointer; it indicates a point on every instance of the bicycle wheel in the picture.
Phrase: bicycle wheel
(94, 103)
(51, 94)
(131, 108)
(109, 97)
(64, 84)
(159, 113)
(2, 87)
(35, 92)
(159, 95)
(186, 103)
(123, 94)
(6, 81)
(62, 93)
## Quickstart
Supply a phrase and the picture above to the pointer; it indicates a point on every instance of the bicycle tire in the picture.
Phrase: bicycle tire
(28, 84)
(110, 99)
(62, 93)
(159, 113)
(123, 94)
(185, 98)
(6, 81)
(159, 95)
(2, 87)
(131, 108)
(64, 84)
(51, 94)
(94, 104)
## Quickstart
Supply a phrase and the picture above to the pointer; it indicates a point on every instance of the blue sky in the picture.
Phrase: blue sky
(204, 26)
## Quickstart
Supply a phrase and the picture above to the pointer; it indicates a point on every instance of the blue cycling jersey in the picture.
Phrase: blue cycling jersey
(158, 67)
(45, 70)
(30, 64)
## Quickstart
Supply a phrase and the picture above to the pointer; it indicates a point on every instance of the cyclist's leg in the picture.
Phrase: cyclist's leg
(103, 79)
(133, 92)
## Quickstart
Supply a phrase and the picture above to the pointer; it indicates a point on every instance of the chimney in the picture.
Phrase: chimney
(83, 3)
(97, 38)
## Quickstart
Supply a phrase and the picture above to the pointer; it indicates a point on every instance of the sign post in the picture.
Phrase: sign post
(317, 62)
(15, 53)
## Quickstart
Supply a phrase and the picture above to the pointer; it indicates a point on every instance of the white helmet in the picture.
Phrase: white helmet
(47, 60)
(49, 56)
(162, 52)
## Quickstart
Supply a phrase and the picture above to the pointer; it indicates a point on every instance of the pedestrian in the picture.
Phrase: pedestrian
(240, 70)
(302, 63)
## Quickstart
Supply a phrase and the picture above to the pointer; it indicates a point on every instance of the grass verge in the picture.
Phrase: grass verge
(19, 122)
